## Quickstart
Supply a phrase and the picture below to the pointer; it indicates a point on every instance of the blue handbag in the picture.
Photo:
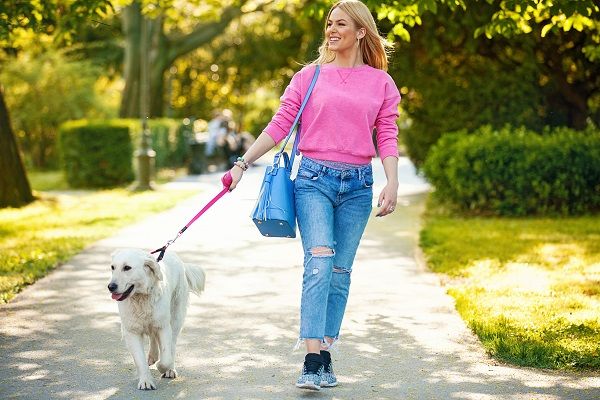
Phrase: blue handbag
(274, 213)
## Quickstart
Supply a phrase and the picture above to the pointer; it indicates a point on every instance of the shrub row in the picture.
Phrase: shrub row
(96, 154)
(517, 172)
(169, 140)
(100, 153)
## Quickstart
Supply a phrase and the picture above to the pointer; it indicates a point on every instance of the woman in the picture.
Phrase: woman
(333, 188)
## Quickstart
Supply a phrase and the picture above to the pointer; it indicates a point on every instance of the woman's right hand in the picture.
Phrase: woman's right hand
(263, 143)
(236, 175)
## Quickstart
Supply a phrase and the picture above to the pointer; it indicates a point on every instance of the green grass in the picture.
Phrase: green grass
(47, 180)
(528, 287)
(55, 180)
(36, 238)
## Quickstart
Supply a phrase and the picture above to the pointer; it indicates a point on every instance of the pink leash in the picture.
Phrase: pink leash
(226, 180)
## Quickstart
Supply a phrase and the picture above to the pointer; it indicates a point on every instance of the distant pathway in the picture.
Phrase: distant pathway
(401, 339)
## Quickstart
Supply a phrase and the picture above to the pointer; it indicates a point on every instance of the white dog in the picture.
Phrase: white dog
(152, 298)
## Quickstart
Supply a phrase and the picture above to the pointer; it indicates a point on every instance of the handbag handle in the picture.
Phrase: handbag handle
(296, 121)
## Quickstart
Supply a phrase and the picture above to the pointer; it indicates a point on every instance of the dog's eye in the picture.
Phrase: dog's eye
(112, 267)
(126, 268)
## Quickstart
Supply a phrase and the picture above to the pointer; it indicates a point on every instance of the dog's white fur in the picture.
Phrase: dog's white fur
(156, 306)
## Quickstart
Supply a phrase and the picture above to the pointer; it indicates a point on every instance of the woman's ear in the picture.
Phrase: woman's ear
(154, 268)
(362, 32)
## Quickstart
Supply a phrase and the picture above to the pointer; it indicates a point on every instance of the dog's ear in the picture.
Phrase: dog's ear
(154, 268)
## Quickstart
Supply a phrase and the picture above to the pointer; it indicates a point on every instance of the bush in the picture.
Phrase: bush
(96, 154)
(517, 172)
(169, 141)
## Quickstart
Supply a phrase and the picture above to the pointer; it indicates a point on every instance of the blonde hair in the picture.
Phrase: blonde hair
(373, 47)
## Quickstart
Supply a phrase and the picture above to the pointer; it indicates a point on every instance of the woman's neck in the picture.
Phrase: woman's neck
(347, 59)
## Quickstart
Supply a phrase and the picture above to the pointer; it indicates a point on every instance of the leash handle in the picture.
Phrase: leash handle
(226, 180)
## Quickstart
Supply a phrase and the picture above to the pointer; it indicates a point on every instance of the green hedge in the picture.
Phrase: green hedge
(517, 172)
(96, 154)
(169, 140)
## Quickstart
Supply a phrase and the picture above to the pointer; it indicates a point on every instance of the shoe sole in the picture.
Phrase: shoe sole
(308, 385)
(327, 384)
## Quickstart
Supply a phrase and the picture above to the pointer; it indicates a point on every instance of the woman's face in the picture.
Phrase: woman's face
(341, 32)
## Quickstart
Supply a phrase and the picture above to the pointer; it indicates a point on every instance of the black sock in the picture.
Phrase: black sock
(313, 362)
(326, 358)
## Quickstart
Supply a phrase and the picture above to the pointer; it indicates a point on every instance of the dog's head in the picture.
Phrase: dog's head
(133, 271)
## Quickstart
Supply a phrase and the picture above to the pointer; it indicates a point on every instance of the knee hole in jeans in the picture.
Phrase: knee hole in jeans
(321, 251)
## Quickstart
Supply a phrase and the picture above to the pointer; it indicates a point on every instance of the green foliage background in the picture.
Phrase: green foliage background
(45, 89)
(459, 64)
(455, 80)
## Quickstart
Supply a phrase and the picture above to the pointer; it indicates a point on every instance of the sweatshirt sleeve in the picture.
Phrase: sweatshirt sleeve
(385, 124)
(283, 119)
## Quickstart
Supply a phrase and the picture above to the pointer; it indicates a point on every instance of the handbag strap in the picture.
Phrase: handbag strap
(296, 121)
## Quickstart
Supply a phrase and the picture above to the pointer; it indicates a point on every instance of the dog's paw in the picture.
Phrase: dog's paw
(163, 367)
(167, 371)
(171, 373)
(152, 359)
(146, 383)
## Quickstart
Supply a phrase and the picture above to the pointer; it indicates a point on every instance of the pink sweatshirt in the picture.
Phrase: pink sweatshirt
(339, 118)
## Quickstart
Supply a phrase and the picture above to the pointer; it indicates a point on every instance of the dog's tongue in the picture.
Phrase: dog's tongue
(116, 296)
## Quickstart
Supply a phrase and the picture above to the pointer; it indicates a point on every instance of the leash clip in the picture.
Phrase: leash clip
(162, 251)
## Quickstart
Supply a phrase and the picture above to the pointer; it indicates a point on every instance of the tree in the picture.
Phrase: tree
(565, 35)
(453, 81)
(239, 69)
(46, 16)
(166, 41)
(43, 91)
(547, 52)
(14, 186)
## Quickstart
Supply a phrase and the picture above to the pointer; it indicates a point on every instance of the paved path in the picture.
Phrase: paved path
(401, 339)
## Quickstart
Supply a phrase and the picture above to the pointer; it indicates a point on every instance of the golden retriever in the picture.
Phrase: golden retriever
(152, 298)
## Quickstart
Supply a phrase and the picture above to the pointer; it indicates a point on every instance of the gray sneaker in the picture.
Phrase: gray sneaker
(328, 378)
(312, 371)
(310, 380)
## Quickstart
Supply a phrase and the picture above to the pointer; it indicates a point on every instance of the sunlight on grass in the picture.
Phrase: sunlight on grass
(47, 180)
(529, 288)
(43, 181)
(35, 238)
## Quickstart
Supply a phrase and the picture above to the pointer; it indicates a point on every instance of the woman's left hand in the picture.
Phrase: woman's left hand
(387, 199)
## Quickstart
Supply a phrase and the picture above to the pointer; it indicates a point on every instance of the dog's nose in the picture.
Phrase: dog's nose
(112, 287)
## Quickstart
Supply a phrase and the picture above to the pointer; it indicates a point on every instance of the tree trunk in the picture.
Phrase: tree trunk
(575, 91)
(135, 55)
(578, 117)
(14, 186)
(159, 63)
(574, 96)
(132, 30)
(164, 50)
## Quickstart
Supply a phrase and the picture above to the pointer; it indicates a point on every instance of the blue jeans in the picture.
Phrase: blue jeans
(332, 208)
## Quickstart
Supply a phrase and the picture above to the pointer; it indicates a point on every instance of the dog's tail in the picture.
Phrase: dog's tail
(195, 277)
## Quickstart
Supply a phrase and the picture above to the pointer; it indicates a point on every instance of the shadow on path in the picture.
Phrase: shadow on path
(401, 339)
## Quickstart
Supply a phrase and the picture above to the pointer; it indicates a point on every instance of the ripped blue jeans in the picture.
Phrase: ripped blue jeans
(332, 208)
